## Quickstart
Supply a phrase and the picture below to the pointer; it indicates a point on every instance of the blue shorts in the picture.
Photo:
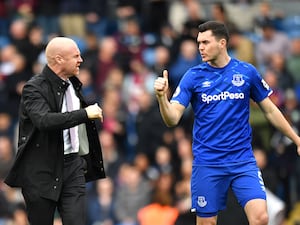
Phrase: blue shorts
(210, 184)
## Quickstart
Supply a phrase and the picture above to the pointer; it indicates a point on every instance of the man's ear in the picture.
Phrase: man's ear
(59, 59)
(223, 43)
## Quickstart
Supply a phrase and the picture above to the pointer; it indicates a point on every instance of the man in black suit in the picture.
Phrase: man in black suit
(51, 164)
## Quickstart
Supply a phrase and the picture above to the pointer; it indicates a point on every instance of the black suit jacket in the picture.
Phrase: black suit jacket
(39, 160)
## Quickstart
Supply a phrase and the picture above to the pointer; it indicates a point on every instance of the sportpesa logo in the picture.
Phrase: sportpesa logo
(223, 96)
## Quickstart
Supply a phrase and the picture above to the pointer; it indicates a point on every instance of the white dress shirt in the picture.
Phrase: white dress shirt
(66, 134)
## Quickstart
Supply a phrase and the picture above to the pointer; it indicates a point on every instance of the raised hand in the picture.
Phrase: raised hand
(161, 84)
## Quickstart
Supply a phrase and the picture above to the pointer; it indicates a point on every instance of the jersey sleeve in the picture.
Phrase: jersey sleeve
(183, 93)
(259, 88)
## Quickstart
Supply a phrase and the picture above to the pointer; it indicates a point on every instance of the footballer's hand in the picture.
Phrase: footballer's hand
(161, 84)
(94, 112)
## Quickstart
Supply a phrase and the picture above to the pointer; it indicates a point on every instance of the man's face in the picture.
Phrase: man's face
(209, 46)
(268, 33)
(72, 60)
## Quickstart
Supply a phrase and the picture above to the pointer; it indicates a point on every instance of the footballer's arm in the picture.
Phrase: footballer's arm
(277, 119)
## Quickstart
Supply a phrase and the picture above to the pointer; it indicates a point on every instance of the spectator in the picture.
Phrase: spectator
(28, 41)
(47, 14)
(155, 16)
(136, 82)
(161, 210)
(241, 47)
(163, 161)
(161, 59)
(183, 193)
(36, 45)
(284, 160)
(90, 53)
(6, 208)
(23, 9)
(7, 54)
(18, 33)
(184, 149)
(19, 214)
(293, 64)
(7, 153)
(291, 107)
(88, 89)
(149, 126)
(187, 57)
(71, 18)
(272, 42)
(114, 117)
(97, 17)
(129, 8)
(106, 60)
(242, 12)
(167, 37)
(276, 207)
(112, 155)
(270, 177)
(132, 193)
(114, 80)
(131, 42)
(219, 13)
(273, 81)
(14, 85)
(180, 11)
(278, 65)
(195, 17)
(265, 14)
(261, 129)
(4, 18)
(100, 206)
(6, 124)
(142, 162)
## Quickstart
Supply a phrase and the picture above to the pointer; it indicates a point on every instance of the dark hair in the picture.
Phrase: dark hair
(218, 29)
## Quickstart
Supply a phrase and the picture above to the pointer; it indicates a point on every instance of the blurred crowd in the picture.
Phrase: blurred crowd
(125, 45)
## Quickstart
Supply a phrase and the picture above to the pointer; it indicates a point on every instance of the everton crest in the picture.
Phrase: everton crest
(201, 201)
(237, 80)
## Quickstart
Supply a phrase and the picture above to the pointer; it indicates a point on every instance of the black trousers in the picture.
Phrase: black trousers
(71, 204)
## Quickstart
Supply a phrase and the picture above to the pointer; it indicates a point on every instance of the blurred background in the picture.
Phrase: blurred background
(125, 45)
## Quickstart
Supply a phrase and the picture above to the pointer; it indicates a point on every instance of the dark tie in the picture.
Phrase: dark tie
(70, 108)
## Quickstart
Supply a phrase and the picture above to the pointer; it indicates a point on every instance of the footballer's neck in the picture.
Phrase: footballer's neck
(221, 61)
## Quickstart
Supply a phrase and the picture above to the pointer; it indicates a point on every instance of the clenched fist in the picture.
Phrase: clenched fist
(161, 84)
(94, 112)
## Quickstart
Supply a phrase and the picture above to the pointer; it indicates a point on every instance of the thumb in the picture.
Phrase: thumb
(165, 74)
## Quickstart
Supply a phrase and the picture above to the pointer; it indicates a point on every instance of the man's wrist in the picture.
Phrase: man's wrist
(160, 96)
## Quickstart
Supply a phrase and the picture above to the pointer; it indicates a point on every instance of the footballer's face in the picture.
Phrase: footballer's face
(209, 46)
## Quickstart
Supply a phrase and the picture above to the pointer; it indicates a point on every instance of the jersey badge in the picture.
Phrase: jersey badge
(201, 201)
(237, 80)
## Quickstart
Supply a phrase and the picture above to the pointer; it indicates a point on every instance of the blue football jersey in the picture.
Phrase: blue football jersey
(220, 100)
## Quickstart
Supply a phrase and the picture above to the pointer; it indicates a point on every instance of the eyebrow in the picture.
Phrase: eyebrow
(203, 41)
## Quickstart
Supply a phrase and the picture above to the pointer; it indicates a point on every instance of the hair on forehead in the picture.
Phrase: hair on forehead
(218, 29)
